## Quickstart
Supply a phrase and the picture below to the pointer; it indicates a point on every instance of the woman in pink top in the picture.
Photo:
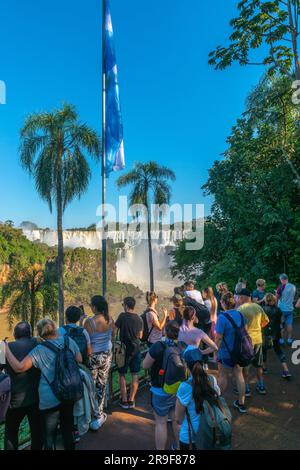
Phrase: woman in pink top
(193, 336)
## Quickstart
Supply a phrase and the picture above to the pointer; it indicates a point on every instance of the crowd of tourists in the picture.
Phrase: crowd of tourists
(58, 378)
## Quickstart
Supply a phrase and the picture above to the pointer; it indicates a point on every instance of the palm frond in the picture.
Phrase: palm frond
(76, 176)
(44, 172)
(80, 135)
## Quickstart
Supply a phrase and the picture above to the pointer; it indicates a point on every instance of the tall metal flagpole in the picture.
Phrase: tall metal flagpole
(104, 245)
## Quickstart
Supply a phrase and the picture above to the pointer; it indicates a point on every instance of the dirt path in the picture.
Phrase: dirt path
(272, 422)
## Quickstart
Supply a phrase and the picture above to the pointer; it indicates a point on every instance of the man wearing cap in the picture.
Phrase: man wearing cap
(286, 296)
(256, 320)
(24, 392)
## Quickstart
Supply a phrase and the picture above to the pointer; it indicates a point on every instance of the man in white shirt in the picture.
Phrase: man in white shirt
(190, 291)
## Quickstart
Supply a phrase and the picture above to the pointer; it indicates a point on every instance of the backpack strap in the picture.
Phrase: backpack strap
(50, 346)
(54, 348)
(190, 429)
(152, 328)
(231, 320)
(213, 420)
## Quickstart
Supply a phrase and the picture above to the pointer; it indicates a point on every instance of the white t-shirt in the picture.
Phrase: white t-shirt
(195, 295)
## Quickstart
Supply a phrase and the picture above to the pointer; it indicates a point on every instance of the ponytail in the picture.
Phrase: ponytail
(151, 297)
(101, 306)
(202, 388)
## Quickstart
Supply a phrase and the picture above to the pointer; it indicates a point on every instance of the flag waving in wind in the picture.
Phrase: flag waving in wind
(114, 144)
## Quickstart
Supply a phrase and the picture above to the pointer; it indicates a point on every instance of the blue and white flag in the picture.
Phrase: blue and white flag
(115, 159)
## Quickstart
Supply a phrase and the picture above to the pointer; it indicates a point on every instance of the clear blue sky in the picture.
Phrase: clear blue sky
(176, 108)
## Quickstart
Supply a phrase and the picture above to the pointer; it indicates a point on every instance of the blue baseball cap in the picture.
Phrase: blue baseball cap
(191, 356)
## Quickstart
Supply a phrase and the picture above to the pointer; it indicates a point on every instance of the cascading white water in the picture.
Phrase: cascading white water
(133, 259)
(133, 266)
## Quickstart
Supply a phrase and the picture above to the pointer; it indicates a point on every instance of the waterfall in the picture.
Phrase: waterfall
(133, 260)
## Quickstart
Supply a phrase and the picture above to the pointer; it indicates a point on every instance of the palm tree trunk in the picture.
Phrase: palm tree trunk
(60, 254)
(150, 253)
(33, 305)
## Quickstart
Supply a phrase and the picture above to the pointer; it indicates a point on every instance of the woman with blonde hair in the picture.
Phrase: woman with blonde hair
(272, 333)
(155, 325)
(53, 412)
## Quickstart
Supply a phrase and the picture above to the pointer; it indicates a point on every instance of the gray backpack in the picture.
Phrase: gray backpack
(215, 431)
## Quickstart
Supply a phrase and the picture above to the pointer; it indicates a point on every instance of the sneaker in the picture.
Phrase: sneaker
(124, 404)
(261, 389)
(247, 391)
(238, 406)
(131, 404)
(290, 341)
(76, 437)
(174, 447)
(286, 374)
(98, 423)
(281, 341)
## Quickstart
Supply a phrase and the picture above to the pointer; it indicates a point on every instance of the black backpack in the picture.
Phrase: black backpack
(202, 313)
(173, 371)
(146, 331)
(67, 385)
(77, 335)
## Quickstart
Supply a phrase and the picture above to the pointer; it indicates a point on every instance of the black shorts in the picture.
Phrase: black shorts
(133, 364)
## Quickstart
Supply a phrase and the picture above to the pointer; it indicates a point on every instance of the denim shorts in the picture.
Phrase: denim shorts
(288, 318)
(133, 364)
(163, 405)
(226, 362)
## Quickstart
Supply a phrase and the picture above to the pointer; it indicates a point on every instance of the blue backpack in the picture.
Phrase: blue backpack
(67, 385)
(242, 352)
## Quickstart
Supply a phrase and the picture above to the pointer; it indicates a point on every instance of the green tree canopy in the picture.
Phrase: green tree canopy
(264, 33)
(253, 230)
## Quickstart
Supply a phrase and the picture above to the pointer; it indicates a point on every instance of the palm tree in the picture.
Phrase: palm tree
(53, 148)
(149, 183)
(27, 295)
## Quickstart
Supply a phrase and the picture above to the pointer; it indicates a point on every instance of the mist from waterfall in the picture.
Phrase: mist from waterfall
(133, 266)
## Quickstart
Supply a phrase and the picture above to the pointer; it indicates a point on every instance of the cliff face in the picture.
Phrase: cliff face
(83, 267)
(4, 272)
